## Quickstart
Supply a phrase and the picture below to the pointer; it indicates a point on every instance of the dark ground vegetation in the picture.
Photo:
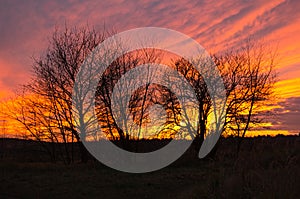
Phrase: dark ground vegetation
(266, 167)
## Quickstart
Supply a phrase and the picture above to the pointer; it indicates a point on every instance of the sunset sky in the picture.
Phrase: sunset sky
(25, 27)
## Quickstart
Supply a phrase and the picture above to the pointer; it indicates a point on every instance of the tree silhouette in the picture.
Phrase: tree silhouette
(248, 75)
(249, 78)
(53, 79)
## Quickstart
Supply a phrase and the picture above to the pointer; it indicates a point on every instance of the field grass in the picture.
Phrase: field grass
(266, 168)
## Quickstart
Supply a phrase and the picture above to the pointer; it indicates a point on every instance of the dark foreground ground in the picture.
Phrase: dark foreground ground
(266, 168)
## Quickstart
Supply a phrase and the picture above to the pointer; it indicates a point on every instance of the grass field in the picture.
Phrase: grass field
(266, 168)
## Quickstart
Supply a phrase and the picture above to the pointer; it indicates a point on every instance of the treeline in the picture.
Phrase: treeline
(44, 108)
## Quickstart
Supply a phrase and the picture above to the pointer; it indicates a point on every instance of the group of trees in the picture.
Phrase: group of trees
(44, 107)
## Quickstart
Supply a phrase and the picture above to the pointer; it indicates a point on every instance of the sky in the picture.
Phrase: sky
(26, 26)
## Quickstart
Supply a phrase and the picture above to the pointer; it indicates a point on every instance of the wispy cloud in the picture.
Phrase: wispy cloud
(287, 117)
(26, 25)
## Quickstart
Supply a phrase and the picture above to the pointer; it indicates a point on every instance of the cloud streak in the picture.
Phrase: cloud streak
(25, 27)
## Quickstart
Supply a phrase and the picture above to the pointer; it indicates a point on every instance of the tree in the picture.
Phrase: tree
(138, 103)
(54, 75)
(249, 76)
(247, 73)
(53, 81)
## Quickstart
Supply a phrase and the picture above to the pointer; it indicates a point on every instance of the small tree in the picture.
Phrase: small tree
(53, 79)
(249, 77)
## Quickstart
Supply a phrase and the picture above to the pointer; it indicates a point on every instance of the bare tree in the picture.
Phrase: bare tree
(54, 76)
(34, 120)
(247, 73)
(249, 78)
(105, 89)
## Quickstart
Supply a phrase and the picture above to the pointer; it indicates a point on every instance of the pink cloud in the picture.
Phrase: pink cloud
(25, 27)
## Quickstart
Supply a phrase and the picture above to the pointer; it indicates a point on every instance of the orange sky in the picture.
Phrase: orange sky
(25, 27)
